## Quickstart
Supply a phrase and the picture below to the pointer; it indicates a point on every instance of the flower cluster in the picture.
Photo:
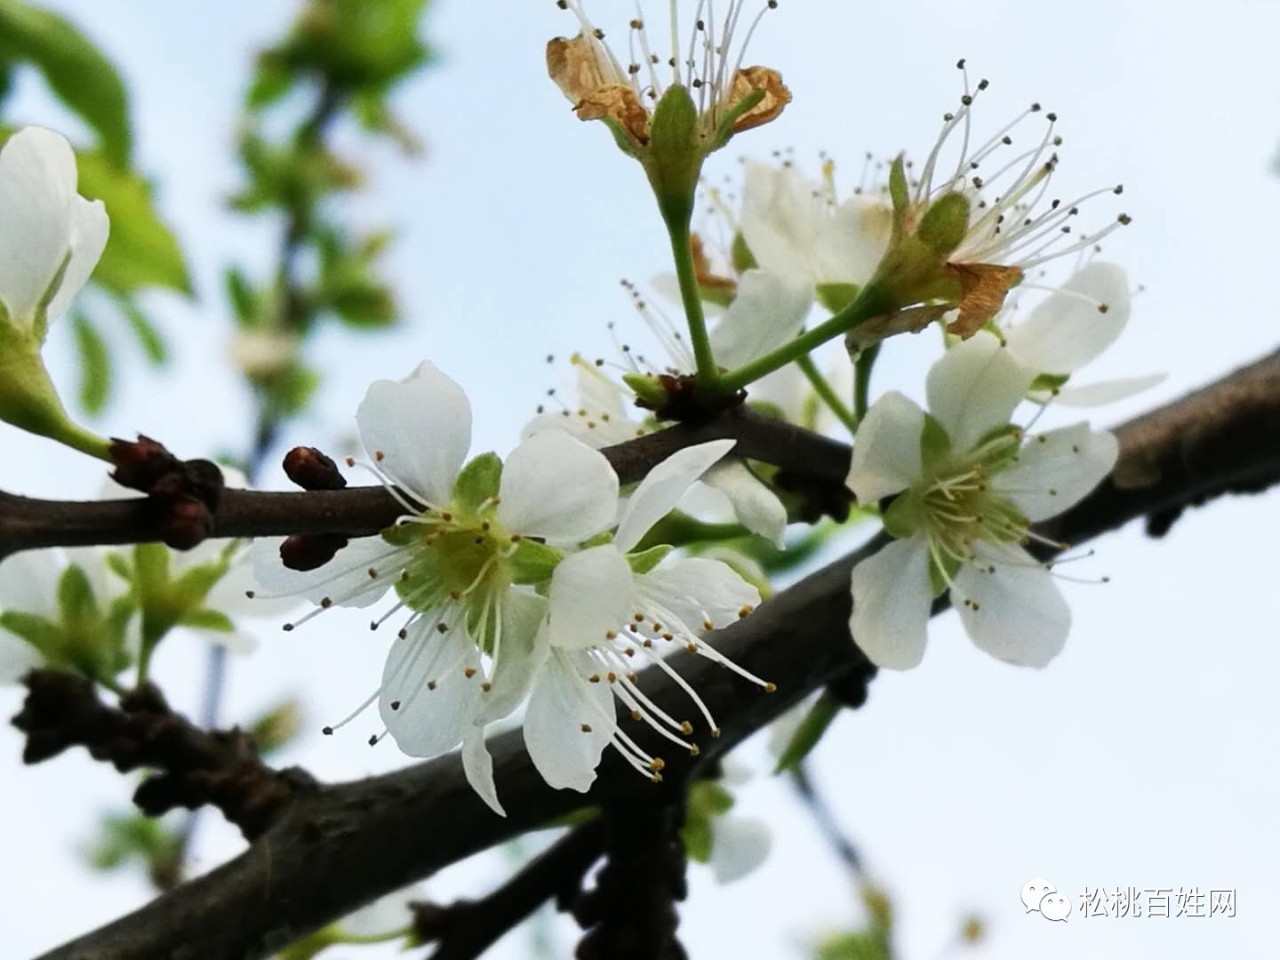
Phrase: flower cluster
(524, 579)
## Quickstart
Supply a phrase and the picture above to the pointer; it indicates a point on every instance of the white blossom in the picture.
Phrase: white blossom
(967, 487)
(51, 237)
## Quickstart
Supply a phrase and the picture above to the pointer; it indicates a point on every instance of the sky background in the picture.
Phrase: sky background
(1143, 756)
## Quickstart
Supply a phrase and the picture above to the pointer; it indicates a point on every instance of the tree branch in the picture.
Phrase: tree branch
(349, 843)
(27, 523)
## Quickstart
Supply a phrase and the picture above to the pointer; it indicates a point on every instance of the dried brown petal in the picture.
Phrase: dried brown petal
(765, 80)
(702, 270)
(983, 287)
(620, 104)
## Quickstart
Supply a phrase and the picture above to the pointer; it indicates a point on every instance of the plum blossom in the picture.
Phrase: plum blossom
(966, 485)
(52, 236)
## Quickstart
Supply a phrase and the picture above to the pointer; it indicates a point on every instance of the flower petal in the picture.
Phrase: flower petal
(974, 388)
(1075, 324)
(852, 240)
(768, 311)
(738, 846)
(891, 603)
(886, 452)
(569, 722)
(88, 238)
(591, 594)
(556, 487)
(1105, 391)
(418, 431)
(696, 591)
(427, 700)
(477, 764)
(1055, 470)
(662, 489)
(1016, 613)
(37, 184)
(345, 580)
(520, 652)
(781, 218)
(754, 504)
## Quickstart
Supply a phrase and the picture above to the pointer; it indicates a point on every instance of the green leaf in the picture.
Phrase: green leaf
(292, 390)
(36, 630)
(95, 364)
(83, 79)
(76, 603)
(812, 727)
(151, 340)
(244, 301)
(141, 250)
(151, 567)
(478, 482)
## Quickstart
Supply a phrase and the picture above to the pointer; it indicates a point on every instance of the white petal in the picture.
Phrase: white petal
(345, 580)
(1106, 391)
(1055, 470)
(852, 239)
(781, 221)
(662, 489)
(1069, 329)
(29, 581)
(886, 451)
(974, 388)
(1016, 614)
(696, 589)
(768, 311)
(89, 229)
(891, 603)
(738, 846)
(435, 702)
(421, 426)
(754, 504)
(521, 650)
(556, 487)
(477, 764)
(569, 722)
(590, 595)
(16, 657)
(37, 184)
(229, 594)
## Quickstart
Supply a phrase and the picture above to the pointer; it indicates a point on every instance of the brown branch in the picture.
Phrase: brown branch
(27, 523)
(465, 929)
(350, 843)
(195, 767)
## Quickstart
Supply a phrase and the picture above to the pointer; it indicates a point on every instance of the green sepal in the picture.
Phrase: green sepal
(935, 445)
(118, 564)
(599, 540)
(477, 483)
(646, 560)
(836, 296)
(945, 223)
(939, 578)
(533, 562)
(1048, 382)
(626, 143)
(740, 255)
(38, 631)
(810, 731)
(402, 534)
(151, 567)
(899, 193)
(724, 132)
(905, 515)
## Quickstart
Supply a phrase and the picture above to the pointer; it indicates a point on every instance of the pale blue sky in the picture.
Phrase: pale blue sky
(1143, 756)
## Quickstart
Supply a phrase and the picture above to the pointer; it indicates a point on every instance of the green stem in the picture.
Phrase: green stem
(827, 394)
(682, 251)
(862, 382)
(870, 302)
(78, 438)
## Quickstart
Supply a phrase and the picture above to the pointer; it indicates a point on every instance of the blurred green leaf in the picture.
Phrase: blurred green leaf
(293, 389)
(809, 732)
(84, 79)
(141, 251)
(95, 364)
(153, 345)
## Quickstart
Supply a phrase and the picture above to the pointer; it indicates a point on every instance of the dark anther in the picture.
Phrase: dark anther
(309, 551)
(312, 470)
